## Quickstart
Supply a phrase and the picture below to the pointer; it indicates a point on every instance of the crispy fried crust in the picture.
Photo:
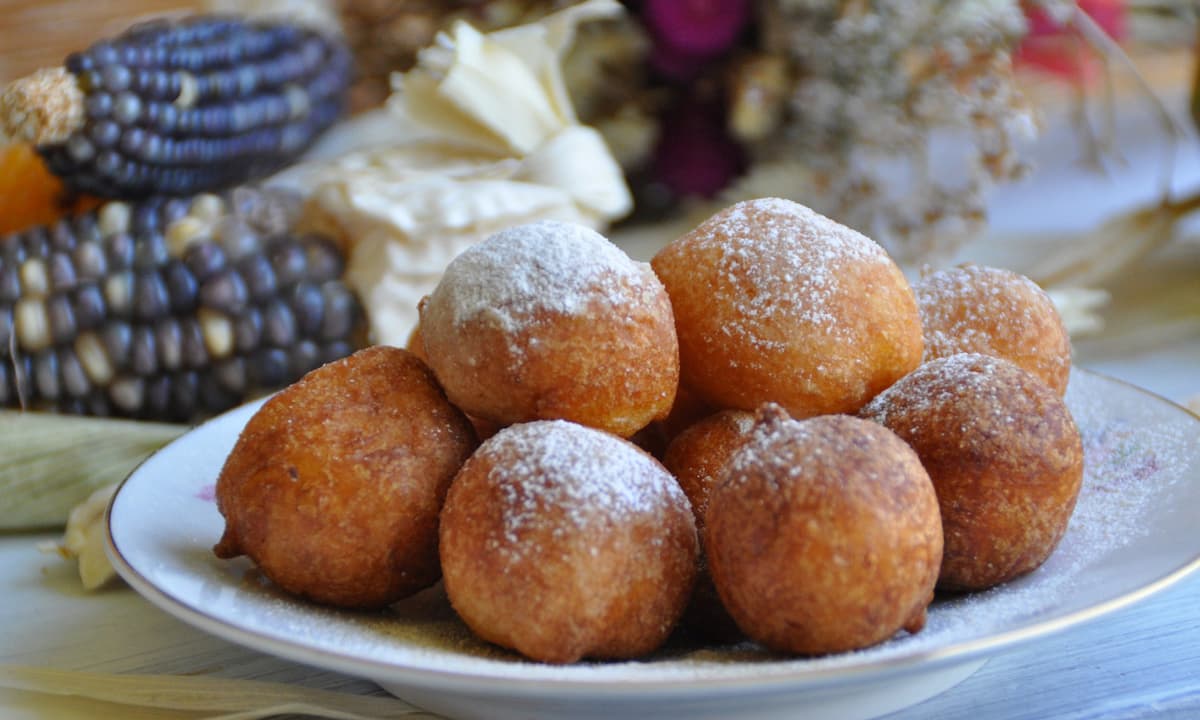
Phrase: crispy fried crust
(597, 348)
(562, 542)
(1004, 455)
(335, 484)
(775, 303)
(995, 312)
(823, 535)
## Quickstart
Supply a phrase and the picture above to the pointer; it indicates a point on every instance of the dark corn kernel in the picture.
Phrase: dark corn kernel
(150, 251)
(90, 261)
(279, 324)
(204, 260)
(309, 306)
(150, 297)
(248, 330)
(119, 250)
(6, 326)
(323, 259)
(118, 337)
(341, 311)
(143, 351)
(335, 350)
(74, 379)
(231, 374)
(213, 397)
(289, 262)
(10, 284)
(260, 277)
(182, 289)
(45, 374)
(62, 271)
(269, 367)
(168, 110)
(305, 356)
(62, 236)
(226, 291)
(191, 339)
(87, 302)
(63, 327)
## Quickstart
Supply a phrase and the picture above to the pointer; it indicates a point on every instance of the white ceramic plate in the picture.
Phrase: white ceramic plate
(1133, 533)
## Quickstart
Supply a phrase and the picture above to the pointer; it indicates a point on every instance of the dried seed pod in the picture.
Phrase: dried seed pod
(150, 329)
(178, 108)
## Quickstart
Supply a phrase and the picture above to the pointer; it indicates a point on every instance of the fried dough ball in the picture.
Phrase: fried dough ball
(552, 321)
(563, 542)
(776, 303)
(1004, 455)
(696, 457)
(992, 311)
(334, 486)
(823, 534)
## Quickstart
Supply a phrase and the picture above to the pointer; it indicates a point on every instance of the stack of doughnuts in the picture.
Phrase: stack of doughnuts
(831, 444)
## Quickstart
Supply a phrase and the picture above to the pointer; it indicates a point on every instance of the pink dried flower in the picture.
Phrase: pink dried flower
(1058, 50)
(696, 156)
(697, 27)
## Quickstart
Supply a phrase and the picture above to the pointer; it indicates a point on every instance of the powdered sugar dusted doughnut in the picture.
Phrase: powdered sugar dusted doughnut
(774, 302)
(996, 312)
(823, 534)
(563, 542)
(1005, 458)
(552, 321)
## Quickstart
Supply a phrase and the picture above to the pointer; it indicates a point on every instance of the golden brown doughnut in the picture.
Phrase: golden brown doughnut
(823, 534)
(1004, 455)
(776, 303)
(334, 486)
(973, 308)
(696, 458)
(563, 542)
(552, 321)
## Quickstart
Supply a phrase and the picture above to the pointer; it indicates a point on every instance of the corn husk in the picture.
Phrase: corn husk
(211, 698)
(53, 462)
(479, 136)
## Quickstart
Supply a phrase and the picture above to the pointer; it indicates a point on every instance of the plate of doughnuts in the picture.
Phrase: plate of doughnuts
(902, 483)
(1132, 534)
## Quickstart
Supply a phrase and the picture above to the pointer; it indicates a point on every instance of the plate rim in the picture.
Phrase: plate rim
(814, 679)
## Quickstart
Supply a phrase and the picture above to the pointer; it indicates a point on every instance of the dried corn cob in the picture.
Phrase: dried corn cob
(180, 108)
(170, 308)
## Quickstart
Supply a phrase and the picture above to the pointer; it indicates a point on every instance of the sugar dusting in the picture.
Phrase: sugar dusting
(982, 309)
(545, 266)
(1140, 456)
(779, 258)
(960, 378)
(567, 481)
